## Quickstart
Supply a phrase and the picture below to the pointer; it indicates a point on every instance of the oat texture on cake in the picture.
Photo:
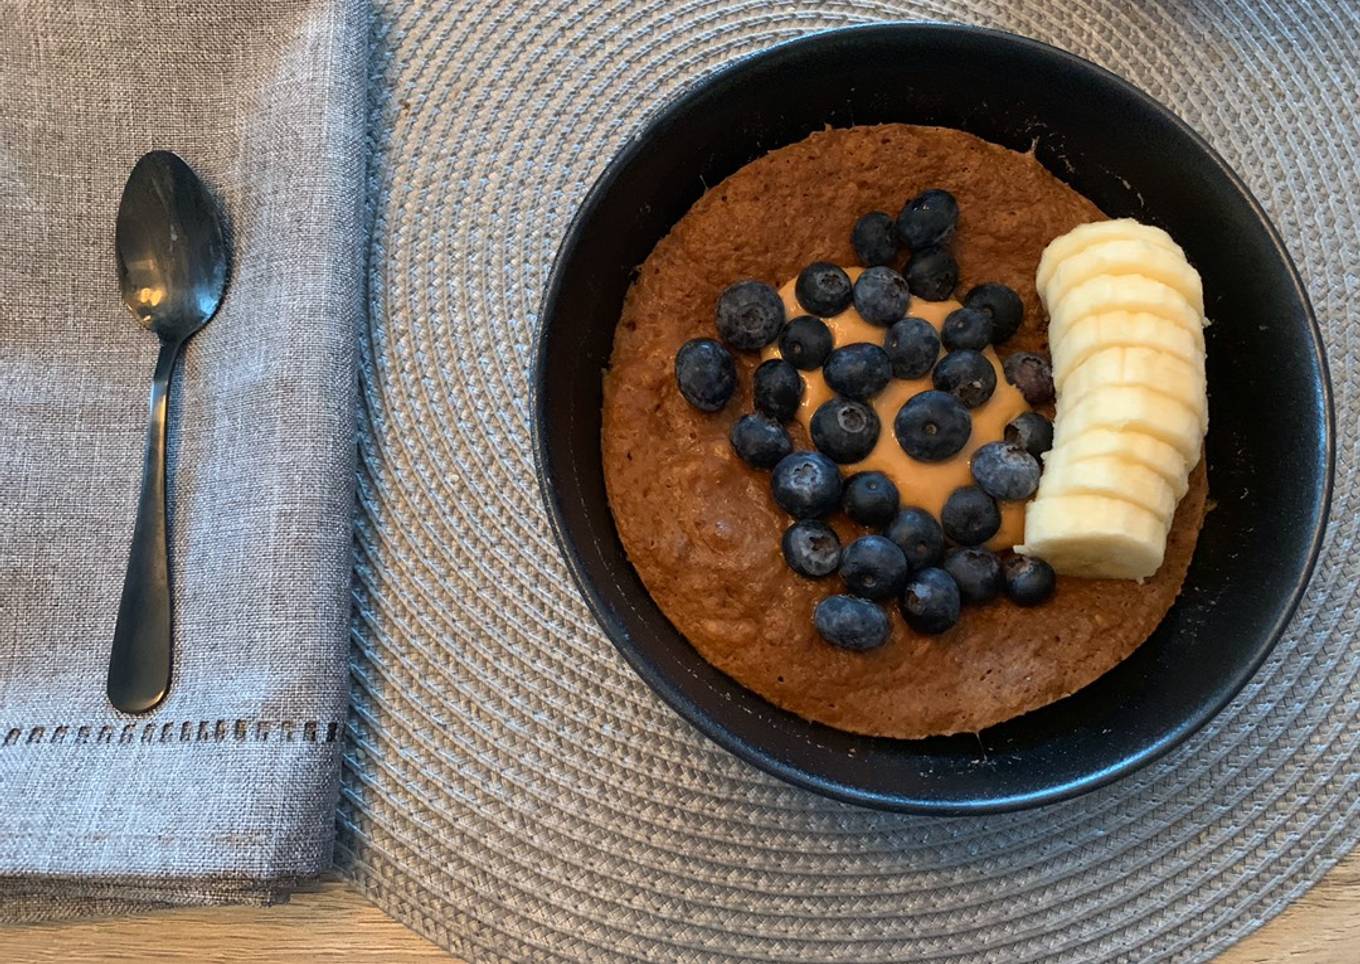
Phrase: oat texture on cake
(701, 527)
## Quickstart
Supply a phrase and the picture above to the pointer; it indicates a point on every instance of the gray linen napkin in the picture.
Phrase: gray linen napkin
(227, 790)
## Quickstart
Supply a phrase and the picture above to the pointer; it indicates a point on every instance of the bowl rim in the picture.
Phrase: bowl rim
(673, 694)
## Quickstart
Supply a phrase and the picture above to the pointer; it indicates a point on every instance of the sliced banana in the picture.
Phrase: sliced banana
(1134, 408)
(1113, 476)
(1094, 333)
(1132, 293)
(1117, 259)
(1085, 235)
(1139, 367)
(1152, 453)
(1126, 320)
(1094, 536)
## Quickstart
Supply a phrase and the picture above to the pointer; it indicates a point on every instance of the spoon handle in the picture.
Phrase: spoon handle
(139, 665)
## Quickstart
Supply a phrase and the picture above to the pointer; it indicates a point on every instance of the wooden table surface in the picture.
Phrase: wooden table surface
(330, 922)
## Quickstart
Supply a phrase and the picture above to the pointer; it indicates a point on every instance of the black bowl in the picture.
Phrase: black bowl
(1270, 447)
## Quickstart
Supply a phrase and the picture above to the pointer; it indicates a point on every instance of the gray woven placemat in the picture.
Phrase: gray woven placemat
(513, 791)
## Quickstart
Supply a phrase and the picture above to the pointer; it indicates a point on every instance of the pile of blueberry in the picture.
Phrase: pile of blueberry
(931, 566)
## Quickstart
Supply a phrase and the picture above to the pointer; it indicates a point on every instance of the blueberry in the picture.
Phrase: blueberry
(760, 441)
(778, 388)
(966, 328)
(970, 516)
(881, 296)
(873, 568)
(930, 601)
(750, 315)
(859, 371)
(918, 535)
(1032, 432)
(1031, 374)
(1005, 471)
(912, 346)
(811, 548)
(870, 498)
(1002, 304)
(875, 239)
(977, 572)
(844, 430)
(932, 273)
(932, 426)
(705, 373)
(1028, 581)
(823, 289)
(806, 485)
(806, 342)
(851, 623)
(929, 218)
(967, 375)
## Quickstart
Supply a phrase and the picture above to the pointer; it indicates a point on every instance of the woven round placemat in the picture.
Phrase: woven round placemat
(513, 791)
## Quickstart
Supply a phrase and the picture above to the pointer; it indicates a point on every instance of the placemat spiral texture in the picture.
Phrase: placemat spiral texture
(513, 791)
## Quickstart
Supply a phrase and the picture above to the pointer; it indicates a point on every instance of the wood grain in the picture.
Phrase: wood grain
(330, 922)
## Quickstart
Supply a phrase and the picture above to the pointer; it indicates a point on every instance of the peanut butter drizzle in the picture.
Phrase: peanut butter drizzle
(924, 484)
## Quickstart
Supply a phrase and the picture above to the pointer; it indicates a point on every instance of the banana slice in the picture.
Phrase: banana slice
(1135, 408)
(1132, 293)
(1094, 333)
(1112, 476)
(1149, 452)
(1085, 235)
(1094, 536)
(1118, 259)
(1139, 366)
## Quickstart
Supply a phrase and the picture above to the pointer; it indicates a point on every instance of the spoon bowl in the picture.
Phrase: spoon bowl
(172, 252)
(172, 269)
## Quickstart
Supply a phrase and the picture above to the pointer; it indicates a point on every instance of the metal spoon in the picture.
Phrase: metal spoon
(172, 267)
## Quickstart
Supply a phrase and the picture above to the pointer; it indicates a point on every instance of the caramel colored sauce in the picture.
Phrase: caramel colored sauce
(924, 484)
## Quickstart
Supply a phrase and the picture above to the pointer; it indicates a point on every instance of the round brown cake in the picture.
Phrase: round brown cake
(702, 528)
